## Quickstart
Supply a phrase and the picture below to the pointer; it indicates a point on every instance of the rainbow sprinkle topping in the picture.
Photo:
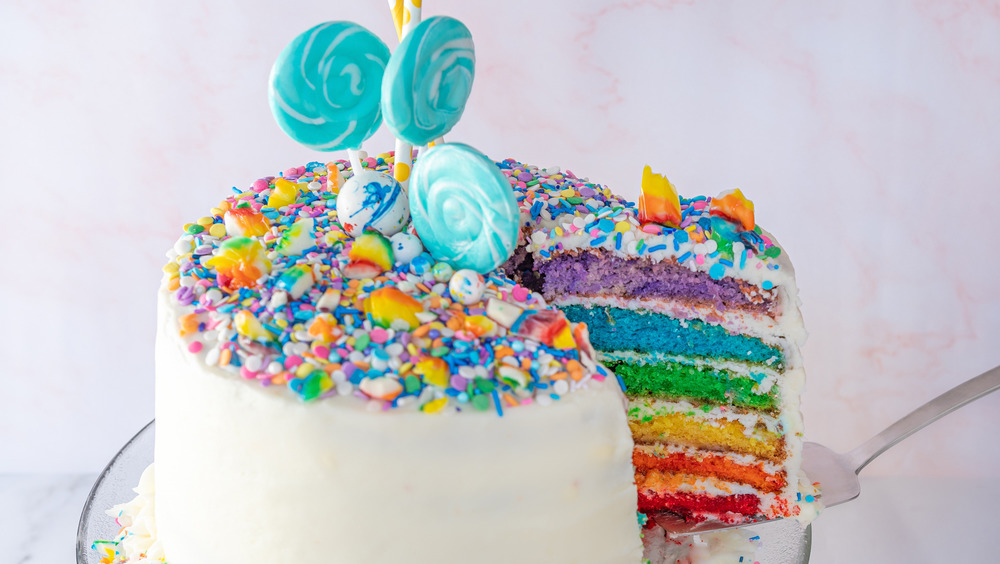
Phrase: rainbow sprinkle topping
(305, 306)
(564, 213)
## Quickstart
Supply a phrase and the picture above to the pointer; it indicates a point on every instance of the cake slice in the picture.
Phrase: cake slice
(694, 307)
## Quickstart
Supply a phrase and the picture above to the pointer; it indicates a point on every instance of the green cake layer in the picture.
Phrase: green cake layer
(704, 383)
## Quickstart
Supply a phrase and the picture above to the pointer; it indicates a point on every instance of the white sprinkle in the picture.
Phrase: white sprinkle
(561, 387)
(254, 363)
(213, 295)
(212, 357)
(184, 245)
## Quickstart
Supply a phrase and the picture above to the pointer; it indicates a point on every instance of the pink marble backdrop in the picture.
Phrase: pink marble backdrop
(867, 134)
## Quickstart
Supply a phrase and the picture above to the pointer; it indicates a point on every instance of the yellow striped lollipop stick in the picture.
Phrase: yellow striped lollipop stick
(406, 16)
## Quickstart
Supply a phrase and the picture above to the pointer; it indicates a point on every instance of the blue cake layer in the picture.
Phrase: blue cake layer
(615, 329)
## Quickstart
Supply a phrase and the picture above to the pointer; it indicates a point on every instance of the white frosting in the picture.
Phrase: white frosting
(253, 475)
(749, 419)
(734, 457)
(138, 543)
(723, 547)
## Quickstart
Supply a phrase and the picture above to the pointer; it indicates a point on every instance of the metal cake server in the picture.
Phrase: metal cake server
(836, 473)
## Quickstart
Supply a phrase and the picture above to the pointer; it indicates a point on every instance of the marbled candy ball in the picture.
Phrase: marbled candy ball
(371, 199)
(442, 272)
(467, 286)
(406, 247)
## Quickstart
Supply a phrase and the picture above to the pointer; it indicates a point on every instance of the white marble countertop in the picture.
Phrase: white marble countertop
(911, 520)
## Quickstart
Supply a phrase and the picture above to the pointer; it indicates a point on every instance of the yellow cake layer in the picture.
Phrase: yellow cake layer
(719, 435)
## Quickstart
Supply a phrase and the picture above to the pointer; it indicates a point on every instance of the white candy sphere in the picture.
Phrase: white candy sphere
(372, 199)
(405, 247)
(467, 286)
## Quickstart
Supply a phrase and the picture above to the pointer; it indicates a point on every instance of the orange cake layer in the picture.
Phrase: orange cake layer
(704, 464)
(689, 495)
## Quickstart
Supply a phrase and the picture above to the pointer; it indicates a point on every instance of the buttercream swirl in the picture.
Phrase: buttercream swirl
(463, 208)
(324, 87)
(428, 80)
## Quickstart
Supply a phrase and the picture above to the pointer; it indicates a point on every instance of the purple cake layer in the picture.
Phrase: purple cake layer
(592, 274)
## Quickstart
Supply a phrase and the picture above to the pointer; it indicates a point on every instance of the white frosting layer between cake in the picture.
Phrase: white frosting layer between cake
(256, 476)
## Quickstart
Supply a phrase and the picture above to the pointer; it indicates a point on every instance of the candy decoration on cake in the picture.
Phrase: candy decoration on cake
(467, 286)
(326, 85)
(463, 208)
(313, 385)
(406, 247)
(387, 306)
(283, 194)
(296, 280)
(428, 80)
(375, 200)
(479, 325)
(734, 206)
(504, 313)
(243, 221)
(581, 334)
(382, 388)
(545, 326)
(240, 262)
(442, 272)
(249, 326)
(658, 202)
(434, 370)
(370, 255)
(297, 238)
(325, 329)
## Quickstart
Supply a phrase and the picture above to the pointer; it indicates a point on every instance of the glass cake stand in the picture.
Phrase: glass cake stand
(112, 487)
(782, 542)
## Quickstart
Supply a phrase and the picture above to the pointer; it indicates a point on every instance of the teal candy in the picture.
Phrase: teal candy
(428, 80)
(462, 208)
(325, 86)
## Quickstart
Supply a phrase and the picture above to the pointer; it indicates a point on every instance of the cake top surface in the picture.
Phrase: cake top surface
(565, 213)
(278, 288)
(272, 286)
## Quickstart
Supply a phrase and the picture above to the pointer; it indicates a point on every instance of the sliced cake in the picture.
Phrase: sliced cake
(694, 307)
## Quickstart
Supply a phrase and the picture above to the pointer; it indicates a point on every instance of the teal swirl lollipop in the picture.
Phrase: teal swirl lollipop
(428, 80)
(325, 86)
(463, 208)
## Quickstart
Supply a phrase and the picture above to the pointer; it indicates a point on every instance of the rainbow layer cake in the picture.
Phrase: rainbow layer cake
(694, 307)
(311, 383)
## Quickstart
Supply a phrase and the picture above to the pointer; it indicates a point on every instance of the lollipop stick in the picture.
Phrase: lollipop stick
(404, 151)
(396, 9)
(352, 154)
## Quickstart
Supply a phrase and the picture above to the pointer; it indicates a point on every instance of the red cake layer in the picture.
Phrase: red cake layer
(709, 465)
(698, 507)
